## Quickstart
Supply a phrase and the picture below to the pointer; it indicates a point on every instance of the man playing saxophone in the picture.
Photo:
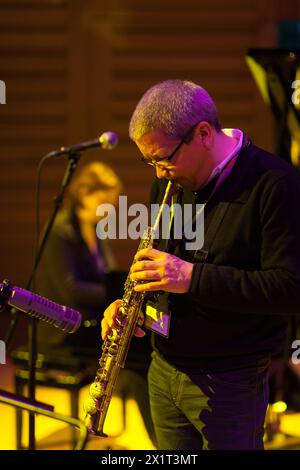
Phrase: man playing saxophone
(226, 305)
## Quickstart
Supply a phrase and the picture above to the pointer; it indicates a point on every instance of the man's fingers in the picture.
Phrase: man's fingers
(104, 329)
(150, 253)
(108, 317)
(141, 319)
(150, 286)
(144, 265)
(143, 275)
(112, 311)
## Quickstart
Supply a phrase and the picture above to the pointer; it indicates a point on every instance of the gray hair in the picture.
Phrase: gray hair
(174, 107)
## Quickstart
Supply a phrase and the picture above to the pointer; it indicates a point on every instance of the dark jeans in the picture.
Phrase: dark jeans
(223, 410)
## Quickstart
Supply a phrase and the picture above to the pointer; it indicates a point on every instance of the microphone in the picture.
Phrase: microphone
(108, 140)
(60, 316)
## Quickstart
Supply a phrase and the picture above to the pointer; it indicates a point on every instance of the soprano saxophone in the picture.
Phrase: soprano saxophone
(116, 344)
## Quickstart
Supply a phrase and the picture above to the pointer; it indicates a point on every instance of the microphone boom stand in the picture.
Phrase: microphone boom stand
(73, 156)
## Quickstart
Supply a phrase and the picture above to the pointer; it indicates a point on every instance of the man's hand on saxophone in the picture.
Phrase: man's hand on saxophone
(153, 270)
(109, 316)
(161, 271)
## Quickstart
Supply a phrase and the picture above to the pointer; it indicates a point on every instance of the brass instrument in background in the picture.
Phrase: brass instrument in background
(116, 344)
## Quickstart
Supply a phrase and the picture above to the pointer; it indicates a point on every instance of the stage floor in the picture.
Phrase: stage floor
(51, 434)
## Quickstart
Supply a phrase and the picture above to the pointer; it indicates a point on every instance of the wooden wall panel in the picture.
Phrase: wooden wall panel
(34, 50)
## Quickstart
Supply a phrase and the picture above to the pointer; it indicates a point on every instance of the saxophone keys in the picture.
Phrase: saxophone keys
(90, 407)
(96, 390)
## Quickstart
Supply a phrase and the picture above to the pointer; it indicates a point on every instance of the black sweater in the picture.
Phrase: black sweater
(240, 298)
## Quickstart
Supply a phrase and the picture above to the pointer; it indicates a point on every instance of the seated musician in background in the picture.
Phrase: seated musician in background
(75, 271)
(73, 268)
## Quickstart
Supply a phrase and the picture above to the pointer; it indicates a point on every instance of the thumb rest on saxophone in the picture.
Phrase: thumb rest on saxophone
(116, 344)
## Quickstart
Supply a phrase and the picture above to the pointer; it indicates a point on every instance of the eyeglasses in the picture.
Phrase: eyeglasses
(166, 160)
